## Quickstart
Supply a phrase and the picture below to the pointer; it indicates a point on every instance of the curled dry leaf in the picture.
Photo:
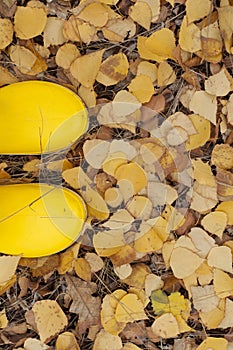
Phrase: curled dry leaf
(49, 319)
(6, 33)
(113, 69)
(29, 21)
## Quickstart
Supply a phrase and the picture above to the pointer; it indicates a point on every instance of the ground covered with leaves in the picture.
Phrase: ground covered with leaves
(153, 266)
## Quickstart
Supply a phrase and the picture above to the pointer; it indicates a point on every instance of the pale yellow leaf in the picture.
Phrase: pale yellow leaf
(106, 341)
(88, 96)
(228, 319)
(226, 207)
(213, 318)
(86, 67)
(107, 243)
(138, 276)
(33, 165)
(67, 341)
(8, 265)
(204, 197)
(3, 319)
(221, 258)
(197, 9)
(229, 108)
(95, 262)
(225, 15)
(213, 343)
(155, 8)
(141, 13)
(23, 58)
(218, 84)
(184, 262)
(87, 32)
(144, 52)
(34, 344)
(124, 103)
(189, 36)
(6, 77)
(134, 174)
(148, 69)
(6, 33)
(223, 284)
(222, 156)
(130, 346)
(215, 223)
(95, 152)
(202, 241)
(162, 44)
(166, 74)
(29, 21)
(49, 319)
(66, 54)
(166, 326)
(153, 282)
(142, 88)
(53, 34)
(82, 269)
(204, 298)
(96, 205)
(94, 13)
(130, 309)
(76, 177)
(123, 271)
(113, 69)
(202, 135)
(205, 105)
(140, 207)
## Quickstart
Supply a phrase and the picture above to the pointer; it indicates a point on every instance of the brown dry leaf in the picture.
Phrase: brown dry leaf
(88, 96)
(129, 309)
(142, 88)
(8, 265)
(141, 13)
(82, 269)
(94, 13)
(215, 223)
(107, 243)
(197, 9)
(222, 156)
(6, 33)
(67, 341)
(202, 135)
(184, 262)
(205, 105)
(148, 69)
(161, 44)
(226, 207)
(189, 36)
(66, 54)
(29, 21)
(166, 74)
(86, 68)
(6, 77)
(113, 69)
(32, 166)
(23, 58)
(219, 84)
(221, 258)
(225, 15)
(49, 319)
(204, 298)
(84, 304)
(166, 326)
(53, 34)
(124, 256)
(223, 284)
(106, 341)
(213, 343)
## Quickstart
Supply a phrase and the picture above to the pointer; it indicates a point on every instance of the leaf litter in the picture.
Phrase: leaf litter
(133, 170)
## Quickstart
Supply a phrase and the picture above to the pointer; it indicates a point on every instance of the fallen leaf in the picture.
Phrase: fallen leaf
(141, 13)
(148, 69)
(23, 58)
(86, 68)
(152, 283)
(202, 135)
(215, 223)
(113, 69)
(221, 258)
(184, 262)
(161, 43)
(124, 103)
(107, 243)
(205, 105)
(166, 74)
(34, 344)
(197, 9)
(29, 21)
(218, 84)
(223, 284)
(222, 156)
(226, 207)
(88, 96)
(225, 14)
(138, 276)
(202, 241)
(66, 54)
(130, 309)
(6, 77)
(82, 269)
(94, 13)
(213, 343)
(204, 298)
(67, 341)
(3, 319)
(49, 319)
(228, 319)
(190, 36)
(53, 34)
(6, 33)
(105, 340)
(166, 326)
(95, 262)
(8, 265)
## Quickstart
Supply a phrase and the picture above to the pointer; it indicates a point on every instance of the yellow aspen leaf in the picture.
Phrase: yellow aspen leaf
(32, 166)
(86, 68)
(148, 69)
(95, 262)
(138, 276)
(212, 319)
(66, 54)
(76, 177)
(166, 326)
(204, 274)
(116, 30)
(8, 265)
(162, 44)
(53, 32)
(218, 84)
(6, 33)
(87, 32)
(226, 207)
(166, 74)
(189, 36)
(88, 96)
(23, 58)
(95, 152)
(141, 13)
(197, 9)
(221, 258)
(225, 14)
(155, 8)
(204, 298)
(67, 341)
(96, 205)
(113, 69)
(124, 103)
(142, 88)
(49, 318)
(130, 309)
(82, 269)
(6, 77)
(140, 207)
(107, 243)
(205, 105)
(223, 284)
(107, 313)
(222, 156)
(120, 219)
(94, 13)
(66, 260)
(3, 319)
(130, 346)
(134, 174)
(144, 52)
(123, 271)
(153, 283)
(202, 173)
(60, 165)
(70, 29)
(106, 341)
(202, 241)
(184, 262)
(213, 343)
(34, 344)
(29, 21)
(202, 135)
(167, 250)
(215, 223)
(228, 318)
(204, 197)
